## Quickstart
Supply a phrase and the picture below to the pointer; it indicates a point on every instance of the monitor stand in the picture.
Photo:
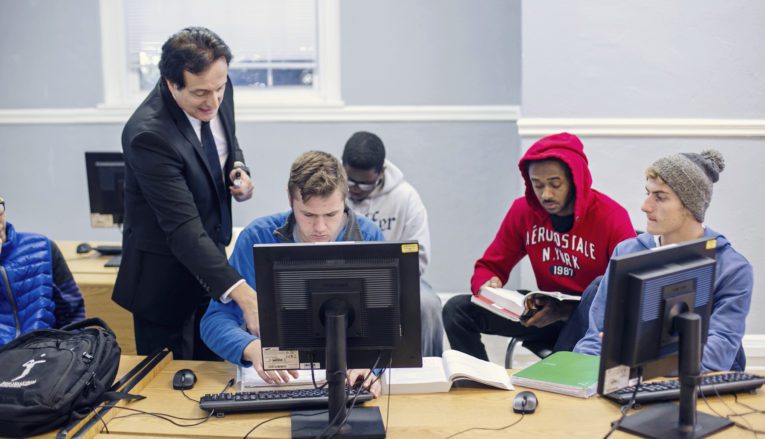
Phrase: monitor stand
(679, 421)
(114, 261)
(363, 422)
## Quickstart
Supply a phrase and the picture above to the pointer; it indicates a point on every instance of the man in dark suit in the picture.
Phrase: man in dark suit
(182, 166)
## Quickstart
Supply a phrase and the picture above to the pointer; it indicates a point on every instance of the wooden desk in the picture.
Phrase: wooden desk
(410, 416)
(96, 283)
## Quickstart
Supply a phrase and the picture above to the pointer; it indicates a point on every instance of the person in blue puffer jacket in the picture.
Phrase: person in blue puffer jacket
(37, 290)
(678, 192)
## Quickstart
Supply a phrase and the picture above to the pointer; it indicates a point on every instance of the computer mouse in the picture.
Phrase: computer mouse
(84, 248)
(184, 379)
(525, 402)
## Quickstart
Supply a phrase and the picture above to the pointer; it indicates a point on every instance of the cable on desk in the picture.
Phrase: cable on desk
(626, 407)
(747, 427)
(331, 428)
(487, 428)
(280, 417)
(168, 417)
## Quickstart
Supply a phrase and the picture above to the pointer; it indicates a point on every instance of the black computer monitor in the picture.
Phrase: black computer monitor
(656, 323)
(106, 185)
(339, 305)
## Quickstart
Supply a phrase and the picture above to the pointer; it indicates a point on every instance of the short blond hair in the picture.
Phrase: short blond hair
(653, 175)
(317, 174)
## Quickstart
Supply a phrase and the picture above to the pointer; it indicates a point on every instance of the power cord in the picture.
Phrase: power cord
(387, 409)
(168, 417)
(747, 427)
(331, 428)
(487, 428)
(624, 409)
(313, 375)
(280, 417)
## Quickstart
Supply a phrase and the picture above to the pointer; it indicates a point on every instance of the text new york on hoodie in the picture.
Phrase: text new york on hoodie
(565, 262)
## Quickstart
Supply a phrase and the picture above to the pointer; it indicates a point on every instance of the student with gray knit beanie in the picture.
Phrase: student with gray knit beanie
(678, 193)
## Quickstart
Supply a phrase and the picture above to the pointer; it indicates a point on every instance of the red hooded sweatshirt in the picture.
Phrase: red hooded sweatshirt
(565, 262)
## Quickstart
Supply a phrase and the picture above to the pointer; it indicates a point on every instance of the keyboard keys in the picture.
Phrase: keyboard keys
(655, 391)
(273, 400)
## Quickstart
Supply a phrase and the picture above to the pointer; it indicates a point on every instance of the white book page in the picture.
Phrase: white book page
(510, 299)
(557, 294)
(432, 371)
(459, 365)
(249, 379)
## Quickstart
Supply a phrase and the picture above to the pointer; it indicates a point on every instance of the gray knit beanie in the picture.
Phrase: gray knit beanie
(691, 176)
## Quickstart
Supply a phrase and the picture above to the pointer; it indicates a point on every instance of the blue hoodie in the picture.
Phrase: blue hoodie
(222, 325)
(732, 298)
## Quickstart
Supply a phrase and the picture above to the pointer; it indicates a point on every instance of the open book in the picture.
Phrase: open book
(249, 381)
(513, 305)
(437, 374)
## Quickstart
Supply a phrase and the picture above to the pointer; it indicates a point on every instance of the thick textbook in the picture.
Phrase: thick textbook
(437, 374)
(513, 305)
(249, 381)
(568, 373)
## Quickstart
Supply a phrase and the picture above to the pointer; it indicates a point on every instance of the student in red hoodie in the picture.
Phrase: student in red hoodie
(567, 229)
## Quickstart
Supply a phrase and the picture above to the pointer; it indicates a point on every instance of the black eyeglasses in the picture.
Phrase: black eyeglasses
(2, 206)
(363, 186)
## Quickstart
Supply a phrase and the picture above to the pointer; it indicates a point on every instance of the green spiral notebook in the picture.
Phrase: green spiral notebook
(568, 373)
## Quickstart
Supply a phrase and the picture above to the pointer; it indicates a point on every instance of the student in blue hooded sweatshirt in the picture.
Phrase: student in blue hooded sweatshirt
(678, 192)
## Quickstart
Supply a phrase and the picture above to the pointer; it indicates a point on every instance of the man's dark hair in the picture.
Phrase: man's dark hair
(193, 49)
(364, 151)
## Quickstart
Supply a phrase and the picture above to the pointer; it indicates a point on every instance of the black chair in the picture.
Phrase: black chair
(538, 348)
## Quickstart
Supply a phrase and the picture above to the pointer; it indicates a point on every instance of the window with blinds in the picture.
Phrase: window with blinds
(274, 42)
(285, 52)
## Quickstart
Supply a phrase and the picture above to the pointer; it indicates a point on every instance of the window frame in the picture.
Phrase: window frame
(324, 93)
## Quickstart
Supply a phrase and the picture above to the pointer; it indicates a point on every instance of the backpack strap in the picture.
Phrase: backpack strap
(93, 321)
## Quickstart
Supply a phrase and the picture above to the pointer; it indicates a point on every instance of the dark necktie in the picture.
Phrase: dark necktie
(208, 144)
(211, 151)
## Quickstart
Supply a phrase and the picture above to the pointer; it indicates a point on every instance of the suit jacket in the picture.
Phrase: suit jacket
(173, 242)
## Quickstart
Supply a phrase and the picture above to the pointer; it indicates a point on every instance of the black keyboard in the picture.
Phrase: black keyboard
(273, 400)
(655, 391)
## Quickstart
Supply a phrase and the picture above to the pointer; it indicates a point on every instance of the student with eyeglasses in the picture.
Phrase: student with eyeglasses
(377, 190)
(37, 290)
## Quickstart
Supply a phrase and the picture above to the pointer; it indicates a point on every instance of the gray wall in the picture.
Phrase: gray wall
(657, 59)
(393, 53)
(653, 58)
(50, 53)
(432, 52)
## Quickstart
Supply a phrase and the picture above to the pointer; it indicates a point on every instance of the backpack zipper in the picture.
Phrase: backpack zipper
(12, 300)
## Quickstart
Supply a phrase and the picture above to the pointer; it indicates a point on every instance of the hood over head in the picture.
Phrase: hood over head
(570, 150)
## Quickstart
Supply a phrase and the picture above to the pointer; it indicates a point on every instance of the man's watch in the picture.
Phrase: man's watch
(242, 167)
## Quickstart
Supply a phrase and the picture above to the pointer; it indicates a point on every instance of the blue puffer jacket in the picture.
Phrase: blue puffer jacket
(26, 284)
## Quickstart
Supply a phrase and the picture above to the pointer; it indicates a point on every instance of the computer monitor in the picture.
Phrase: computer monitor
(106, 184)
(656, 323)
(337, 306)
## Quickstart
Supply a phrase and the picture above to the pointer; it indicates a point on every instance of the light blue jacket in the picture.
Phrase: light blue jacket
(222, 326)
(732, 298)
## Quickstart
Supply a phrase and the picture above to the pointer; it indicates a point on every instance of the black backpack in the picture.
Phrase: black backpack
(51, 377)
